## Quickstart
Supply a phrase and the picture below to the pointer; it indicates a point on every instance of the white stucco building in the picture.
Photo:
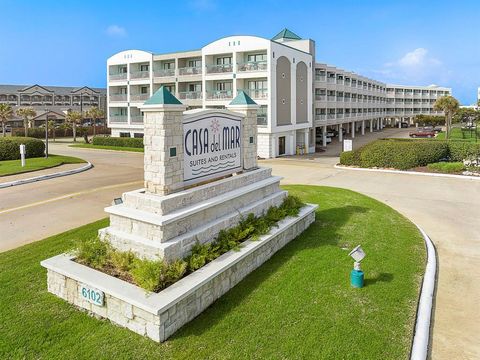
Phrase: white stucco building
(299, 98)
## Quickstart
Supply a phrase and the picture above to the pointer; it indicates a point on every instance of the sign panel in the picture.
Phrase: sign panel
(212, 147)
(91, 295)
(347, 145)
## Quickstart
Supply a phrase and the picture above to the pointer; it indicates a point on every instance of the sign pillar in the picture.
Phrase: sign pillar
(22, 154)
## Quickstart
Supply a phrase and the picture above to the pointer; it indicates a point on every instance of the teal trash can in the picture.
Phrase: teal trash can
(356, 278)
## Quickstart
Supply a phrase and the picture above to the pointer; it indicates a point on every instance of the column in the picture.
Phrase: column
(340, 132)
(363, 127)
(353, 129)
(324, 136)
(348, 127)
(400, 124)
(306, 142)
(371, 125)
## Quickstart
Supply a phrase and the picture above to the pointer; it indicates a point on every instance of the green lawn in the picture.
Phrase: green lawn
(457, 134)
(446, 167)
(10, 167)
(299, 304)
(103, 147)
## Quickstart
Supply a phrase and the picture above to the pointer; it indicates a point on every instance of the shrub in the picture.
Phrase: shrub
(10, 147)
(146, 273)
(93, 252)
(461, 150)
(122, 261)
(350, 158)
(118, 141)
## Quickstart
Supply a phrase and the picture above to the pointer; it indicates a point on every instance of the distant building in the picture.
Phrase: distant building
(54, 101)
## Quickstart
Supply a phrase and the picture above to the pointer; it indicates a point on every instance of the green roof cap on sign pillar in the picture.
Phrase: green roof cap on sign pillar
(163, 97)
(242, 99)
(286, 34)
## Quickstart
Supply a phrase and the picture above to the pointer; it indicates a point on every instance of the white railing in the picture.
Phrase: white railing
(116, 97)
(118, 118)
(163, 72)
(116, 77)
(190, 70)
(219, 95)
(214, 69)
(319, 97)
(136, 119)
(140, 74)
(190, 95)
(252, 66)
(257, 93)
(320, 116)
(139, 97)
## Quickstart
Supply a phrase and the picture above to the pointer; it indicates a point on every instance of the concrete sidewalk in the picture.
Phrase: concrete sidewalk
(49, 171)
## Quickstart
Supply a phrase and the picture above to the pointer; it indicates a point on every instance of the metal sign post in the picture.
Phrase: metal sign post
(22, 154)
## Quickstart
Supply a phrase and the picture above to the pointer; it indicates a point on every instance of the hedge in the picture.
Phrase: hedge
(406, 154)
(10, 147)
(39, 133)
(118, 141)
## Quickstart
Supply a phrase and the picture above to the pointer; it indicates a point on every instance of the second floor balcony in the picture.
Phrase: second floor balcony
(252, 66)
(218, 69)
(118, 118)
(164, 72)
(220, 95)
(139, 97)
(136, 119)
(261, 94)
(190, 95)
(118, 97)
(320, 116)
(117, 77)
(190, 70)
(145, 74)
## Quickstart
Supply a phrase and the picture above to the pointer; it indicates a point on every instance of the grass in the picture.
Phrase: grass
(446, 167)
(299, 304)
(103, 147)
(11, 167)
(459, 134)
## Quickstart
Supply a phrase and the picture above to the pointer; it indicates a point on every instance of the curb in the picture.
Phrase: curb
(467, 177)
(46, 177)
(421, 337)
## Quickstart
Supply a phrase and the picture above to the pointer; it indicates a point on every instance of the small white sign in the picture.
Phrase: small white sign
(22, 149)
(347, 145)
(92, 295)
(212, 147)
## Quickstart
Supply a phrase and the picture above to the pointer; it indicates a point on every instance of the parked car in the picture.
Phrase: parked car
(438, 129)
(319, 141)
(405, 125)
(422, 132)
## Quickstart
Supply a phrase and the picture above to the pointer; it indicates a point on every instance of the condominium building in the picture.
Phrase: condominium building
(54, 101)
(300, 100)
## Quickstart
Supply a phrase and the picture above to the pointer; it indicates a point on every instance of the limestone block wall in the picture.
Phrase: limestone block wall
(158, 316)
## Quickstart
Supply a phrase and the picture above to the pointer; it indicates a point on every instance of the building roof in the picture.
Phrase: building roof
(58, 90)
(242, 99)
(286, 34)
(163, 97)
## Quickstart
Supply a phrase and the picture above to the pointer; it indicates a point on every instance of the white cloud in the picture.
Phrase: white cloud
(117, 31)
(416, 59)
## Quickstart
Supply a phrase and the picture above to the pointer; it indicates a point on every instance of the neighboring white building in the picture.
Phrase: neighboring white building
(300, 99)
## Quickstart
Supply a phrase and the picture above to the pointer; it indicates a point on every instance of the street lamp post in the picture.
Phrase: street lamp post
(46, 133)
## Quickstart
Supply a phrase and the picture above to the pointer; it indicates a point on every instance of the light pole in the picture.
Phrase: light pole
(46, 133)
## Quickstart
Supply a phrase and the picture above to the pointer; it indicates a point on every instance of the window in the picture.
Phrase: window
(257, 57)
(257, 85)
(194, 63)
(195, 87)
(170, 88)
(168, 65)
(137, 135)
(144, 90)
(124, 134)
(227, 60)
(224, 86)
(144, 67)
(123, 70)
(123, 91)
(122, 112)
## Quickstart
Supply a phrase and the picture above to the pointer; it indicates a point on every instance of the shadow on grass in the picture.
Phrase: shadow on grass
(333, 218)
(382, 277)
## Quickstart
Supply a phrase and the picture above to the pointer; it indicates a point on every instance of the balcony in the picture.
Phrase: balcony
(320, 97)
(118, 77)
(252, 66)
(320, 116)
(190, 95)
(139, 97)
(117, 97)
(218, 69)
(220, 95)
(331, 98)
(331, 116)
(190, 71)
(164, 72)
(140, 74)
(261, 94)
(320, 78)
(120, 119)
(262, 119)
(136, 119)
(331, 80)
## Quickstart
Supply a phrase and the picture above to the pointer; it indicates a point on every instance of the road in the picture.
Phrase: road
(446, 208)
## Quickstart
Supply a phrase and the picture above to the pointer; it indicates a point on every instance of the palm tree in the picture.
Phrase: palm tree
(27, 114)
(6, 113)
(74, 117)
(95, 113)
(449, 105)
(51, 126)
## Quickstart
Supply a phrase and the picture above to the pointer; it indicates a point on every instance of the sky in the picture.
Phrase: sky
(420, 42)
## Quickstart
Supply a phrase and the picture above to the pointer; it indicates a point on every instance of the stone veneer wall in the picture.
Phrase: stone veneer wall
(158, 316)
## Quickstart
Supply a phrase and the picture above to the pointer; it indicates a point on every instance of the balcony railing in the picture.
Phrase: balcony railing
(331, 97)
(319, 97)
(136, 119)
(215, 69)
(115, 118)
(257, 93)
(320, 77)
(262, 119)
(190, 70)
(330, 116)
(252, 66)
(190, 95)
(118, 97)
(139, 97)
(320, 116)
(140, 74)
(219, 95)
(331, 80)
(163, 72)
(117, 77)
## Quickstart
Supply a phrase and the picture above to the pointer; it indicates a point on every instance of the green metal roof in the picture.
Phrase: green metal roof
(286, 34)
(163, 97)
(242, 99)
